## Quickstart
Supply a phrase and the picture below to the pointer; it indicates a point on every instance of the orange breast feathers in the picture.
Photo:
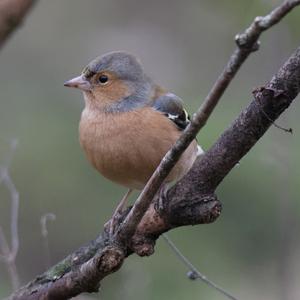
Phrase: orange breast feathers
(127, 147)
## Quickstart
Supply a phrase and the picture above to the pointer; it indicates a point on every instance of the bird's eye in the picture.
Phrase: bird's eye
(103, 79)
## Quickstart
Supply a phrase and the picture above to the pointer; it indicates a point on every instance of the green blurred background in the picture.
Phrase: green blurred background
(252, 250)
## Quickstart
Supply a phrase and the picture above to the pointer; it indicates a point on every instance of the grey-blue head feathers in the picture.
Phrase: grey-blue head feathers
(124, 65)
(127, 68)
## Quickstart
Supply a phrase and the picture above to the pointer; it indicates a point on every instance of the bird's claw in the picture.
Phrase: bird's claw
(162, 195)
(112, 225)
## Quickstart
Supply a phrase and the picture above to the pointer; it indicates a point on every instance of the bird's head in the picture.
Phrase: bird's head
(112, 78)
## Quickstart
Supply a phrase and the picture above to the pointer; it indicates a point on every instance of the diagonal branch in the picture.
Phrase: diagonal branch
(247, 43)
(191, 201)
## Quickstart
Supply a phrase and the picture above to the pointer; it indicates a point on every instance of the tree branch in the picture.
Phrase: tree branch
(12, 13)
(192, 200)
(247, 43)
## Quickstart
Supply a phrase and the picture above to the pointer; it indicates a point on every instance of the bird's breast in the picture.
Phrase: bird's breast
(127, 147)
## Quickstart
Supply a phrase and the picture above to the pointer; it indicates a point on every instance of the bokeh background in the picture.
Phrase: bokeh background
(252, 250)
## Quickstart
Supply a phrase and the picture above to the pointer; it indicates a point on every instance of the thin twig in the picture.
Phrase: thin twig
(288, 130)
(194, 273)
(44, 231)
(9, 253)
(14, 195)
(247, 43)
(4, 248)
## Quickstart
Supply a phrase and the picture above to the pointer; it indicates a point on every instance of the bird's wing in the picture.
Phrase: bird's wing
(172, 107)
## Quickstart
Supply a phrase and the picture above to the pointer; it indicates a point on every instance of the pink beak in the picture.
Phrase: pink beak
(79, 82)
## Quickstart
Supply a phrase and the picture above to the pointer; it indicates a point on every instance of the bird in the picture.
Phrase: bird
(129, 122)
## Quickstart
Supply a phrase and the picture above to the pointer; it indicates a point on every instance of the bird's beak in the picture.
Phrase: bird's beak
(79, 82)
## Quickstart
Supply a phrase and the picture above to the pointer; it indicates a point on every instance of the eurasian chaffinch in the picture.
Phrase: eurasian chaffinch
(129, 122)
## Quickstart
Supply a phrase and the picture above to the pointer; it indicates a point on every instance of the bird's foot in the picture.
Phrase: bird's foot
(162, 195)
(112, 225)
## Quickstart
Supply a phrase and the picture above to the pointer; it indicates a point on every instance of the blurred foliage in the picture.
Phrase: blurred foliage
(253, 248)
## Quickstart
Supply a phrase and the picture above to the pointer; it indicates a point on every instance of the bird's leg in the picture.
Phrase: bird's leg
(162, 194)
(118, 211)
(122, 203)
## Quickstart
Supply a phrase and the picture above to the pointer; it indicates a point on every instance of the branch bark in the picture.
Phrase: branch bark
(12, 13)
(192, 200)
